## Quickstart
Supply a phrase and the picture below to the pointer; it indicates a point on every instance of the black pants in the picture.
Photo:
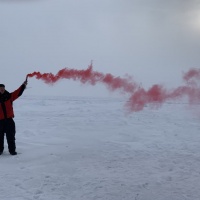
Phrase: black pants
(7, 126)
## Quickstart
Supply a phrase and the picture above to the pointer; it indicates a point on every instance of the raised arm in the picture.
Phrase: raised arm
(17, 93)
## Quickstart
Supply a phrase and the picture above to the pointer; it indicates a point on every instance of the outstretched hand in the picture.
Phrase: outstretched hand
(25, 82)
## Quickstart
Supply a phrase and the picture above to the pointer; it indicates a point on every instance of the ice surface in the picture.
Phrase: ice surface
(75, 148)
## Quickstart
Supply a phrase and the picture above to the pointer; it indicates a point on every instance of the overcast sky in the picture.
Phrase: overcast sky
(154, 41)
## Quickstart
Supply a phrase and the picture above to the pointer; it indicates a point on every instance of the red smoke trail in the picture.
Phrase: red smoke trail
(88, 76)
(192, 74)
(139, 97)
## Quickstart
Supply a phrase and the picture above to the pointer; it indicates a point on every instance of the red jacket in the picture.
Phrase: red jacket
(6, 99)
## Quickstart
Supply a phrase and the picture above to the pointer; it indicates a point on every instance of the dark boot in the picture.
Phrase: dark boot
(13, 153)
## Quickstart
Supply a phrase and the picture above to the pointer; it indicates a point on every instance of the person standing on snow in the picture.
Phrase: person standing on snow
(7, 124)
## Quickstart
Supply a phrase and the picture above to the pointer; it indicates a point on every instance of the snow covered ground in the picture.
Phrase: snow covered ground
(81, 148)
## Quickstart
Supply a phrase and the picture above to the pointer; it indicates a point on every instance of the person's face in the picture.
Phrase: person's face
(2, 90)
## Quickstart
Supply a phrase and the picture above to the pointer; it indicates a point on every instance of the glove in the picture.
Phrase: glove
(25, 82)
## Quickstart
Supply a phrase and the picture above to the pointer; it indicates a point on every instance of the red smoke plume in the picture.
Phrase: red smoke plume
(139, 97)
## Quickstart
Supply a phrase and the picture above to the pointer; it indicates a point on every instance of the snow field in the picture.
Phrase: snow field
(82, 148)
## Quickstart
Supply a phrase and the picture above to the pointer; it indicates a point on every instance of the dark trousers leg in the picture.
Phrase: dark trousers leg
(10, 135)
(1, 141)
(2, 124)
